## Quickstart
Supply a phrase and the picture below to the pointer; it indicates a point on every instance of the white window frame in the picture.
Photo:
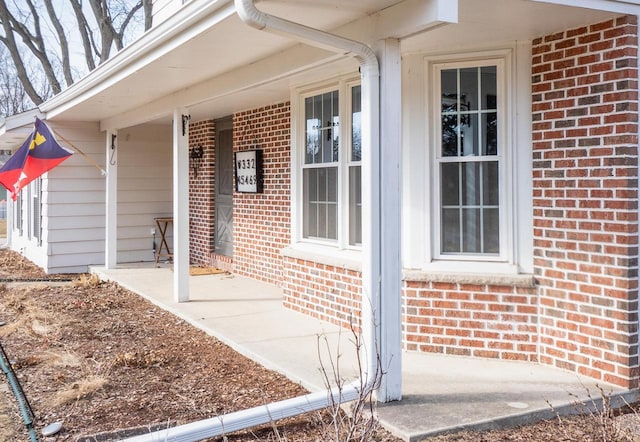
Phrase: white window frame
(18, 214)
(339, 248)
(504, 261)
(35, 211)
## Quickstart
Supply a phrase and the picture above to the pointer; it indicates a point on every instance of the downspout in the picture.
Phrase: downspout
(370, 85)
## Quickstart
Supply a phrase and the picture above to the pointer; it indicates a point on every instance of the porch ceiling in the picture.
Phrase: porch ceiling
(206, 42)
(209, 45)
(491, 22)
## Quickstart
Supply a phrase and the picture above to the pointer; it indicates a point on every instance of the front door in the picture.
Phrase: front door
(223, 201)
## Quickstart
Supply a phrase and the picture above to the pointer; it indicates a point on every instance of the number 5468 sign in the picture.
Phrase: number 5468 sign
(248, 165)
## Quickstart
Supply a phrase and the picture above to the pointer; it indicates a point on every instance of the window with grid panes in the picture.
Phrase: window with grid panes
(468, 160)
(331, 189)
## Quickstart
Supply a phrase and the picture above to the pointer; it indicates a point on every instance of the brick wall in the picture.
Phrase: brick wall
(261, 222)
(329, 293)
(482, 320)
(583, 315)
(585, 166)
(201, 193)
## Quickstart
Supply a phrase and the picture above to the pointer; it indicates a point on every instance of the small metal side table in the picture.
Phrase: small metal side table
(163, 223)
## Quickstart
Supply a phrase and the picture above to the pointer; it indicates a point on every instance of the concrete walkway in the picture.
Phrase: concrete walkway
(440, 393)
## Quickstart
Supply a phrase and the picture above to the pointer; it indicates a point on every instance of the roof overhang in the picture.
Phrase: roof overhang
(205, 59)
(204, 40)
(487, 23)
(16, 128)
(617, 6)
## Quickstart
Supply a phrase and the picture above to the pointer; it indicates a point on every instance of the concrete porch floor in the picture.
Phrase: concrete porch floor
(440, 393)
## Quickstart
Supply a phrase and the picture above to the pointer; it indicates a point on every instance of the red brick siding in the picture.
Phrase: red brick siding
(470, 320)
(201, 192)
(329, 293)
(585, 184)
(261, 222)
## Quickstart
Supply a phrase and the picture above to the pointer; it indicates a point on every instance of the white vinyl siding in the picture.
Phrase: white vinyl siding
(72, 200)
(145, 186)
(67, 197)
(68, 234)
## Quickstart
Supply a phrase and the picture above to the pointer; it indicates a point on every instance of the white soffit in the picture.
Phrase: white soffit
(269, 79)
(203, 40)
(492, 22)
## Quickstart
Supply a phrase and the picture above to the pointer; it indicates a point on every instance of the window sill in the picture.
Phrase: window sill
(348, 259)
(513, 280)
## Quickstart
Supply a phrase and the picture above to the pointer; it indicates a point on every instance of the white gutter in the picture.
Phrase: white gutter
(371, 273)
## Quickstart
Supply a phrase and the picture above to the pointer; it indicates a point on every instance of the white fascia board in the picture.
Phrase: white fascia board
(22, 119)
(193, 19)
(617, 6)
(14, 129)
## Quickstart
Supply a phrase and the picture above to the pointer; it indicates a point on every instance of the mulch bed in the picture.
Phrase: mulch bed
(98, 358)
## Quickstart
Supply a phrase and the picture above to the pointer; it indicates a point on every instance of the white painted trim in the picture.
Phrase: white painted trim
(519, 280)
(111, 200)
(619, 6)
(411, 17)
(180, 206)
(344, 259)
(388, 53)
(416, 224)
(523, 158)
(432, 260)
(24, 119)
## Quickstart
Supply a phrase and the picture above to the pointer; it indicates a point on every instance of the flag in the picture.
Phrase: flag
(39, 154)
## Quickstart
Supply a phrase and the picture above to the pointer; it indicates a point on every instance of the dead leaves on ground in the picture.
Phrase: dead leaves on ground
(98, 357)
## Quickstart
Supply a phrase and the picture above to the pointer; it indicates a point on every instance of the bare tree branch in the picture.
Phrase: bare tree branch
(62, 40)
(13, 97)
(85, 34)
(125, 23)
(102, 16)
(32, 35)
(35, 43)
(147, 6)
(11, 45)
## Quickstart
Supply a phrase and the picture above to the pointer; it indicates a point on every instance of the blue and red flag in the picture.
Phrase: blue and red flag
(39, 154)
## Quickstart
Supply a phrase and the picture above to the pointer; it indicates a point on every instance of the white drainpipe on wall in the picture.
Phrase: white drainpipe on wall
(371, 274)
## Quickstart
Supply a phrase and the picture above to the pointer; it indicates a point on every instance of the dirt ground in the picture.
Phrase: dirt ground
(98, 358)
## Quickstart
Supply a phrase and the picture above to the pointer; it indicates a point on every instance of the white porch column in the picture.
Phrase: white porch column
(111, 201)
(388, 52)
(181, 205)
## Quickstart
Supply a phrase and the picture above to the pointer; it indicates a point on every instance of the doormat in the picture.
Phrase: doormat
(196, 271)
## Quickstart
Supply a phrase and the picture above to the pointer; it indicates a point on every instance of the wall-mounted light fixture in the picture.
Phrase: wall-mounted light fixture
(185, 123)
(195, 155)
